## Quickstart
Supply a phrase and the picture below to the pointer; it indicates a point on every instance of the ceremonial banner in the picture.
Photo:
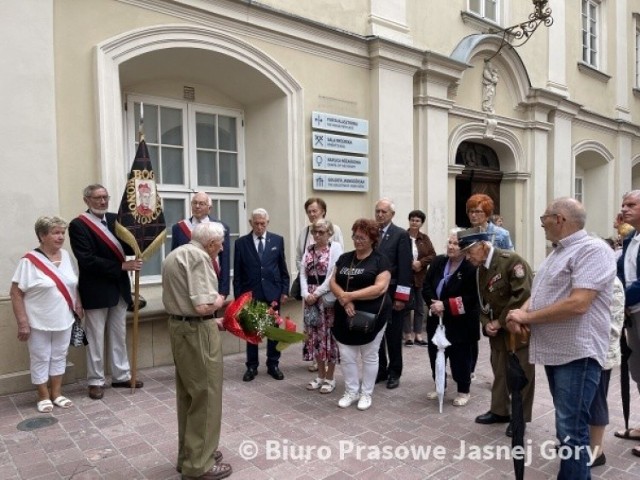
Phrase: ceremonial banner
(140, 222)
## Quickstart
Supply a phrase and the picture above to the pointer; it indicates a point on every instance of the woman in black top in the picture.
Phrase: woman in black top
(360, 282)
(450, 290)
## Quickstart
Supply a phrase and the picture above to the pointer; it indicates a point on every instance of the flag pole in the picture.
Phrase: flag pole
(136, 288)
(136, 313)
(141, 226)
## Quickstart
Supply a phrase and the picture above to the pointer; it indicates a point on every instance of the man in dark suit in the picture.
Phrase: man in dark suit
(104, 289)
(259, 267)
(396, 245)
(181, 235)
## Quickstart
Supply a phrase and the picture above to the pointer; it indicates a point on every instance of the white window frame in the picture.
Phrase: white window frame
(598, 21)
(637, 53)
(191, 185)
(483, 9)
(578, 188)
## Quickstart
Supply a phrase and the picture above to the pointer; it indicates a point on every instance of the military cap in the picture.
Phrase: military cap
(469, 237)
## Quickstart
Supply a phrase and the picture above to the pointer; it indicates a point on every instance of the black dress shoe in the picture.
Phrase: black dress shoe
(382, 377)
(276, 373)
(250, 374)
(599, 461)
(490, 417)
(127, 384)
(509, 431)
(393, 382)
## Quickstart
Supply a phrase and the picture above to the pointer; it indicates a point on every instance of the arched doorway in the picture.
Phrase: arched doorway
(481, 174)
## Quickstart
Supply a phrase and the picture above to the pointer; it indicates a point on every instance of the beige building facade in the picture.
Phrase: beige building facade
(227, 91)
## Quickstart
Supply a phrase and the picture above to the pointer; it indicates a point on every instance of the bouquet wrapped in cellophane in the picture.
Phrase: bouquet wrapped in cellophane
(252, 320)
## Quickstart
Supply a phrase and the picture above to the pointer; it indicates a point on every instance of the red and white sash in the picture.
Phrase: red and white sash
(103, 234)
(53, 275)
(186, 227)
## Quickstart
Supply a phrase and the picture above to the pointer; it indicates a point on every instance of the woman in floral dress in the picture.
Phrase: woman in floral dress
(317, 265)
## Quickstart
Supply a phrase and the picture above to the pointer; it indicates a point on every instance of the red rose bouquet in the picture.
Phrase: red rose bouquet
(252, 321)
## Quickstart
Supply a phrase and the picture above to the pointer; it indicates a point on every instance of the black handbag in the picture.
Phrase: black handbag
(141, 303)
(295, 289)
(363, 322)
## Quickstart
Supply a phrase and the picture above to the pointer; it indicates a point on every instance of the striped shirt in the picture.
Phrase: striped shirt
(578, 261)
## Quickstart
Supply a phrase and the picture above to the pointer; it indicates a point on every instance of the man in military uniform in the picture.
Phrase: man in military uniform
(504, 283)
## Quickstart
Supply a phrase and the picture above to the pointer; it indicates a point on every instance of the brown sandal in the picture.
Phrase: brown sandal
(626, 434)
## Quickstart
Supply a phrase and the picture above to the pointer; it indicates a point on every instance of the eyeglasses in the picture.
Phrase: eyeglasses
(358, 238)
(542, 217)
(200, 204)
(475, 212)
(99, 198)
(318, 232)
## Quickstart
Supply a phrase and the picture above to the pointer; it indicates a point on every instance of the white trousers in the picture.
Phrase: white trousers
(114, 321)
(349, 359)
(48, 353)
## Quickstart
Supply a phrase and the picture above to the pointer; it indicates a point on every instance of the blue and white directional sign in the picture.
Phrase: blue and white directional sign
(343, 183)
(339, 143)
(340, 163)
(338, 123)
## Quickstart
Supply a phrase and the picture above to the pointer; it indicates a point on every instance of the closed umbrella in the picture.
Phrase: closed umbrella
(516, 380)
(440, 340)
(624, 378)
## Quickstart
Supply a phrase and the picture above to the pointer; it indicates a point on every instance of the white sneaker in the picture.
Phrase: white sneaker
(364, 402)
(461, 400)
(347, 399)
(432, 395)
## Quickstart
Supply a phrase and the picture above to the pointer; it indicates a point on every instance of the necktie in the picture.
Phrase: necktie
(260, 247)
(216, 267)
(103, 222)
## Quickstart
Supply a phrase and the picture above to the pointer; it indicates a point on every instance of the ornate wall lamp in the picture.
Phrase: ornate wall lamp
(520, 33)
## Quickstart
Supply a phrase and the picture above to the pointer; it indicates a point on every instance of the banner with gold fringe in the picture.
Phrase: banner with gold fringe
(140, 223)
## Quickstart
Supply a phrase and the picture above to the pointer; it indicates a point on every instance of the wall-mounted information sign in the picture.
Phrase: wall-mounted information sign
(339, 143)
(340, 163)
(338, 123)
(344, 183)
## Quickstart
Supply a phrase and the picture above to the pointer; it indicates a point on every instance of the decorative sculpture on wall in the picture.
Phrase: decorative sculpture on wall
(489, 83)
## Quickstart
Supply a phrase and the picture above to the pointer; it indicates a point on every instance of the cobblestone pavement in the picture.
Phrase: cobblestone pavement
(298, 434)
